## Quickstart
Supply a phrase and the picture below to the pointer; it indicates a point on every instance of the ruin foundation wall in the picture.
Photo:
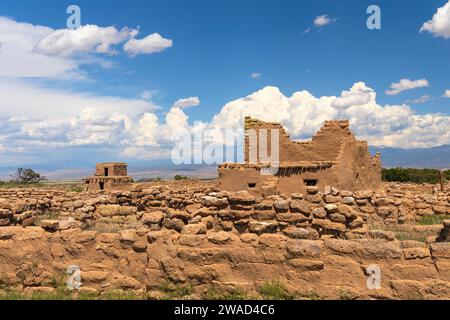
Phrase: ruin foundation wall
(142, 261)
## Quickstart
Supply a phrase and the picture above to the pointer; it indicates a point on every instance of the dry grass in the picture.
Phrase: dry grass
(409, 232)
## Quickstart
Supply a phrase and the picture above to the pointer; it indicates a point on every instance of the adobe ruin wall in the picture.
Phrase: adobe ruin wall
(333, 157)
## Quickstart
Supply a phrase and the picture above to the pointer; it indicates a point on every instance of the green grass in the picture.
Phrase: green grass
(214, 293)
(66, 186)
(157, 179)
(175, 291)
(76, 188)
(402, 234)
(17, 185)
(275, 290)
(46, 216)
(345, 294)
(434, 219)
(67, 295)
(311, 295)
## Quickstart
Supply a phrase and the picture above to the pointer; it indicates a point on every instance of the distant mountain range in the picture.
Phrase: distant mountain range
(438, 157)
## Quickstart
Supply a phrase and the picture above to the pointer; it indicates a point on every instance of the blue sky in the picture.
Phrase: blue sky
(218, 45)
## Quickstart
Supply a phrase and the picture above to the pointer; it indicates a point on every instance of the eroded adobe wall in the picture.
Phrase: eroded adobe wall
(325, 145)
(356, 168)
(352, 166)
(33, 260)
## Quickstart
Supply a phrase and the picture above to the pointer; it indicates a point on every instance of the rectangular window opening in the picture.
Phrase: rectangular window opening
(252, 185)
(310, 182)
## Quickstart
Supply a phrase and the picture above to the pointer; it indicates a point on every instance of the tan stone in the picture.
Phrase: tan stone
(152, 217)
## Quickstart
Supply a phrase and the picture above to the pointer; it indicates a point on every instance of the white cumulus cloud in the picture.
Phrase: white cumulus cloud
(439, 25)
(256, 75)
(420, 100)
(406, 84)
(86, 39)
(302, 114)
(447, 93)
(187, 103)
(323, 20)
(151, 44)
(18, 60)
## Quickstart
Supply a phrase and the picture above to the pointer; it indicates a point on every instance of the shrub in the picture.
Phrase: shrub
(413, 175)
(275, 290)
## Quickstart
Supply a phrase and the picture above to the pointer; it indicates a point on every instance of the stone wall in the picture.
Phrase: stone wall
(328, 212)
(138, 260)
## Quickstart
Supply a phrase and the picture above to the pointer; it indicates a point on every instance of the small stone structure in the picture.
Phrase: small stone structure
(107, 176)
(332, 158)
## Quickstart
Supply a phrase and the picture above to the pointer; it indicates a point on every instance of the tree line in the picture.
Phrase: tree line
(413, 175)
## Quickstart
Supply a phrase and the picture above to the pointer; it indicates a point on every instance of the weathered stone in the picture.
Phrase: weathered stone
(296, 233)
(330, 208)
(367, 194)
(291, 217)
(319, 213)
(228, 214)
(219, 203)
(153, 217)
(301, 207)
(197, 228)
(8, 232)
(50, 225)
(336, 217)
(381, 234)
(331, 199)
(128, 235)
(115, 210)
(416, 253)
(261, 227)
(281, 205)
(444, 234)
(220, 237)
(348, 201)
(175, 224)
(241, 196)
(312, 190)
(328, 225)
(303, 248)
(263, 215)
(69, 224)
